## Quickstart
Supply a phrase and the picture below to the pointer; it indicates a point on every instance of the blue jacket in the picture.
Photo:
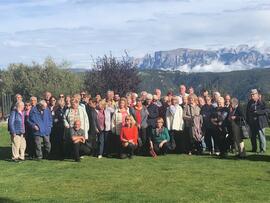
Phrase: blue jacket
(43, 121)
(16, 123)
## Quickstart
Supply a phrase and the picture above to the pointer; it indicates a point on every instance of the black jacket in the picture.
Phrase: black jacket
(257, 114)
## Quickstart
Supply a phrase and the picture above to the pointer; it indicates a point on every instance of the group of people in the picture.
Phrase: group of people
(145, 124)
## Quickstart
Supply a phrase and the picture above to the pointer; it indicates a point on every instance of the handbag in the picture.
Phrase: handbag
(245, 129)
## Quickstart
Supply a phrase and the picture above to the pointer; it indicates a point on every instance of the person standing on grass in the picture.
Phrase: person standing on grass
(40, 120)
(235, 116)
(16, 126)
(118, 121)
(219, 119)
(160, 138)
(175, 122)
(30, 144)
(140, 114)
(193, 124)
(128, 137)
(257, 119)
(78, 140)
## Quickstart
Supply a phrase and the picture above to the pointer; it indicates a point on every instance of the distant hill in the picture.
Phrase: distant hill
(241, 57)
(236, 83)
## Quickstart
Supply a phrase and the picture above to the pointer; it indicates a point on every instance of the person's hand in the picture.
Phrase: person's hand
(83, 140)
(139, 126)
(233, 117)
(97, 131)
(13, 135)
(160, 144)
(67, 126)
(131, 141)
(36, 127)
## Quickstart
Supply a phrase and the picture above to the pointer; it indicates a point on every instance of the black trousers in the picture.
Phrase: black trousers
(80, 149)
(129, 149)
(163, 150)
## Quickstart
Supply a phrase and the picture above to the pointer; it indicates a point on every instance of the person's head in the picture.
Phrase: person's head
(68, 100)
(191, 90)
(234, 102)
(149, 99)
(185, 100)
(116, 97)
(110, 95)
(82, 94)
(93, 102)
(175, 100)
(204, 92)
(208, 100)
(27, 106)
(221, 102)
(47, 96)
(227, 99)
(159, 122)
(182, 89)
(129, 121)
(77, 125)
(134, 96)
(143, 95)
(192, 99)
(139, 102)
(254, 94)
(158, 93)
(216, 96)
(18, 98)
(75, 103)
(20, 106)
(52, 101)
(61, 103)
(201, 101)
(155, 98)
(42, 104)
(62, 96)
(123, 103)
(101, 105)
(33, 101)
(98, 97)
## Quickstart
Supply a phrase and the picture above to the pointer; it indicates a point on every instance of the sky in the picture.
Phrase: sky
(79, 30)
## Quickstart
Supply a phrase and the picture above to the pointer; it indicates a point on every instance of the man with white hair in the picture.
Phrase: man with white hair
(182, 93)
(40, 120)
(216, 96)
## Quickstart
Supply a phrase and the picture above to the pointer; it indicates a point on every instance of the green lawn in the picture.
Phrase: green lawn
(172, 178)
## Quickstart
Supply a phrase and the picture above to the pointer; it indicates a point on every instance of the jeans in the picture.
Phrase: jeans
(102, 139)
(262, 140)
(47, 146)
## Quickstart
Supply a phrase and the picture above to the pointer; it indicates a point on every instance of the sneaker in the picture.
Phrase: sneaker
(99, 157)
(81, 157)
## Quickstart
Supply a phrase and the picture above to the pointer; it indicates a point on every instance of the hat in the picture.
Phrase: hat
(254, 91)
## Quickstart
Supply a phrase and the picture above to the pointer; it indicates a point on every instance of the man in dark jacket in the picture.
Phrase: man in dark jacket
(257, 120)
(40, 120)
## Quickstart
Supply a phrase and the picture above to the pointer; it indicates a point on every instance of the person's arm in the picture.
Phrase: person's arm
(11, 123)
(65, 118)
(122, 136)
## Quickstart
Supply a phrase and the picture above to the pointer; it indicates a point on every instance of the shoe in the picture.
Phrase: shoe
(123, 156)
(99, 157)
(81, 157)
(130, 156)
(78, 160)
(189, 153)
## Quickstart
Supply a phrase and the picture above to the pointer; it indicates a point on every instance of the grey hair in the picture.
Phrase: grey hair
(42, 103)
(234, 101)
(18, 103)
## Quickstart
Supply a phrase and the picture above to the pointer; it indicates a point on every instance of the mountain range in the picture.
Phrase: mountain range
(242, 57)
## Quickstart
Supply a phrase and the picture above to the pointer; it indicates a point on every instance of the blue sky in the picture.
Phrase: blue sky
(76, 30)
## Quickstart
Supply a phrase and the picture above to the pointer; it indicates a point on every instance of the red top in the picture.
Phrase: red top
(129, 134)
(138, 116)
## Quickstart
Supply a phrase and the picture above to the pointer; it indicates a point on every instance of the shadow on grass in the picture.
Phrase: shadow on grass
(5, 153)
(253, 157)
(6, 200)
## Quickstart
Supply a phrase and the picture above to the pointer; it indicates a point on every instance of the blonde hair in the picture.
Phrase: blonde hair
(130, 117)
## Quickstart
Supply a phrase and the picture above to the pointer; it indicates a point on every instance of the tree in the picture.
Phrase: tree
(35, 79)
(110, 73)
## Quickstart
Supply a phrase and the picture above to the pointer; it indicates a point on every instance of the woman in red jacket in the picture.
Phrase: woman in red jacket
(129, 137)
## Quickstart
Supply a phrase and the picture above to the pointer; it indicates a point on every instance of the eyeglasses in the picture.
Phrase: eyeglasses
(61, 96)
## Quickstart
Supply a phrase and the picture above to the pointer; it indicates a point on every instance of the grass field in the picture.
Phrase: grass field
(171, 178)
